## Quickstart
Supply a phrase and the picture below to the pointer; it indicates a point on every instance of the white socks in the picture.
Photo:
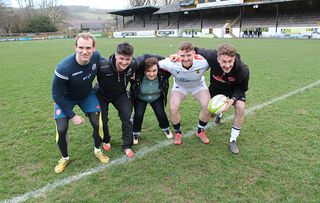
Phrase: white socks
(235, 131)
(65, 158)
(96, 150)
(165, 129)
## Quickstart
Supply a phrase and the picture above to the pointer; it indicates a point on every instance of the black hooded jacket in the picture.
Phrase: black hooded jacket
(234, 83)
(112, 83)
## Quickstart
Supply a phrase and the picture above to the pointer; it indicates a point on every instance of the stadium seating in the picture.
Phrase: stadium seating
(298, 14)
(300, 18)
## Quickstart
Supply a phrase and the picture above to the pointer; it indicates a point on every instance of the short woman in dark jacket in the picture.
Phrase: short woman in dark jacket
(150, 86)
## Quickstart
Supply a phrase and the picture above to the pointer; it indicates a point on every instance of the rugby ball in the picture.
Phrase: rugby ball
(217, 104)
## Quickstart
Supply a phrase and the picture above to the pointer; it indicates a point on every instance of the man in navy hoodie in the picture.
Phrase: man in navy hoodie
(72, 85)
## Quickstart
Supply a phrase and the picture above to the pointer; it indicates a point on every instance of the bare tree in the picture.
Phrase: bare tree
(27, 6)
(2, 4)
(5, 16)
(135, 3)
(7, 21)
(53, 9)
(25, 3)
(167, 2)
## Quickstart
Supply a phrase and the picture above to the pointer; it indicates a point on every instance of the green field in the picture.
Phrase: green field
(279, 159)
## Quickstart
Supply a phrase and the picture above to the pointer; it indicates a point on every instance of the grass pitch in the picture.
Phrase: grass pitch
(279, 159)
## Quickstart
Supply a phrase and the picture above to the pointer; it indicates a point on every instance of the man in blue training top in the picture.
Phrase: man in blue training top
(72, 85)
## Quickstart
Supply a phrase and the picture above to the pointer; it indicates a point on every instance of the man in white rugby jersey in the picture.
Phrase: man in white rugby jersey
(188, 72)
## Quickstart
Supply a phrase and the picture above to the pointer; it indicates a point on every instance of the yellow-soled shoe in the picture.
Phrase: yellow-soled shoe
(102, 157)
(62, 163)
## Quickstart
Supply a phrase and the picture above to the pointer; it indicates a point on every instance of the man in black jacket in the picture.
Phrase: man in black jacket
(228, 76)
(113, 76)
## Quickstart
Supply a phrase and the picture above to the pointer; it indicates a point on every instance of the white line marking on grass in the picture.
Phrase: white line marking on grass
(142, 152)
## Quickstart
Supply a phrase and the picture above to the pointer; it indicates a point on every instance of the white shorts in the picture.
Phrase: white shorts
(194, 90)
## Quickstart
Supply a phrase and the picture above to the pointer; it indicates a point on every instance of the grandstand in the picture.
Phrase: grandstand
(221, 18)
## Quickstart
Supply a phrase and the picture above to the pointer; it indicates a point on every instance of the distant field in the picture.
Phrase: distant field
(279, 159)
(92, 16)
(77, 15)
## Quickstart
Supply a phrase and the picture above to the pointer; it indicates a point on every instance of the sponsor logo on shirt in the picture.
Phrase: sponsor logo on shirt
(231, 79)
(94, 66)
(198, 57)
(58, 112)
(77, 73)
(185, 80)
(105, 66)
(129, 71)
(219, 78)
(87, 77)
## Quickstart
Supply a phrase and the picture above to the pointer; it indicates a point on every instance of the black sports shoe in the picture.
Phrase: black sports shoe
(233, 147)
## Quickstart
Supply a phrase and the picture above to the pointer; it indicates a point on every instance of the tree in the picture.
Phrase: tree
(31, 11)
(53, 9)
(4, 16)
(167, 2)
(2, 5)
(2, 8)
(7, 21)
(135, 3)
(40, 23)
(27, 6)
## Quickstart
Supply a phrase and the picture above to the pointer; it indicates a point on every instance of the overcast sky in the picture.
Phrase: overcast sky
(103, 4)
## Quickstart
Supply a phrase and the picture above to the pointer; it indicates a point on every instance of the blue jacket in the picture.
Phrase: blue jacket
(72, 81)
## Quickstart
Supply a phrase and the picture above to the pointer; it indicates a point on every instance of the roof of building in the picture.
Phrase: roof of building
(94, 25)
(135, 10)
(175, 7)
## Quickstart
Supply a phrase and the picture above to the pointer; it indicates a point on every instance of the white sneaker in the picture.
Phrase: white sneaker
(168, 134)
(136, 138)
(218, 118)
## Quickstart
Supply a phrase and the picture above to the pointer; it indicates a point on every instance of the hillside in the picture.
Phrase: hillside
(77, 15)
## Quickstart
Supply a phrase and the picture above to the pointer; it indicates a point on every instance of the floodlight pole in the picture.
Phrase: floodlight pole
(117, 22)
(178, 26)
(277, 17)
(201, 19)
(240, 23)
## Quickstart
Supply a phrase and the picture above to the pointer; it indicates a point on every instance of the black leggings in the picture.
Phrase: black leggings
(62, 128)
